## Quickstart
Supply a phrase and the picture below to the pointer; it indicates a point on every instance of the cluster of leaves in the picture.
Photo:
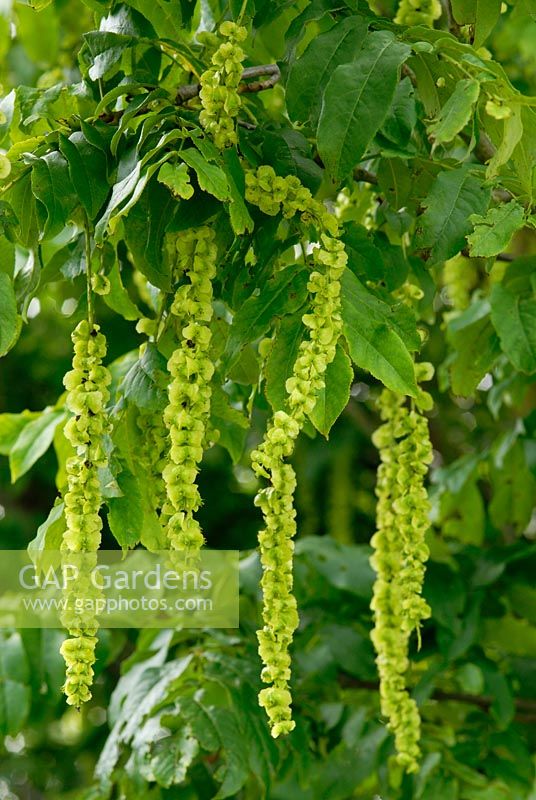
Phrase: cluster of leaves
(424, 142)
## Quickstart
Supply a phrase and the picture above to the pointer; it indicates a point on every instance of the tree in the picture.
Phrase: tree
(292, 244)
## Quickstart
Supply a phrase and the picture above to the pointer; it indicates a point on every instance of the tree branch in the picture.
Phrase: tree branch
(271, 73)
(363, 175)
(527, 708)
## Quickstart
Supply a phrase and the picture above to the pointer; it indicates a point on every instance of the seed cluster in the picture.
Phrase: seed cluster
(87, 396)
(187, 413)
(400, 555)
(418, 12)
(274, 194)
(219, 87)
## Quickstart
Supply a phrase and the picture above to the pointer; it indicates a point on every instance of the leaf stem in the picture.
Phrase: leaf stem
(89, 290)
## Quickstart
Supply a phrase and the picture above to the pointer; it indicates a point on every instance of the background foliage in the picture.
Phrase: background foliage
(438, 159)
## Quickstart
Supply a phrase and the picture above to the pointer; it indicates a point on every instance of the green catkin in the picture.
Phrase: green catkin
(153, 455)
(87, 396)
(400, 555)
(418, 12)
(272, 194)
(219, 94)
(187, 413)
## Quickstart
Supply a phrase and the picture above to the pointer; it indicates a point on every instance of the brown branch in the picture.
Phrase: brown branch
(364, 175)
(454, 28)
(526, 707)
(271, 71)
(499, 257)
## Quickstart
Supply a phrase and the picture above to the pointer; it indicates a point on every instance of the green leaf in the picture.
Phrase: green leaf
(357, 100)
(164, 16)
(456, 112)
(145, 227)
(15, 695)
(282, 294)
(289, 153)
(454, 196)
(493, 233)
(483, 14)
(374, 339)
(176, 178)
(524, 154)
(10, 322)
(34, 440)
(211, 178)
(142, 383)
(54, 192)
(346, 567)
(126, 513)
(402, 116)
(24, 205)
(333, 398)
(106, 49)
(309, 74)
(241, 221)
(463, 516)
(118, 299)
(230, 422)
(11, 426)
(49, 534)
(514, 318)
(512, 135)
(475, 348)
(87, 170)
(280, 361)
(514, 488)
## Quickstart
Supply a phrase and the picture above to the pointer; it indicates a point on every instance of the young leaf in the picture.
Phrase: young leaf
(176, 178)
(454, 196)
(493, 233)
(373, 338)
(309, 74)
(211, 178)
(357, 100)
(456, 112)
(333, 398)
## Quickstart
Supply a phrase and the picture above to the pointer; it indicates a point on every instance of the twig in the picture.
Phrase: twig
(271, 71)
(499, 257)
(363, 175)
(454, 28)
(526, 707)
